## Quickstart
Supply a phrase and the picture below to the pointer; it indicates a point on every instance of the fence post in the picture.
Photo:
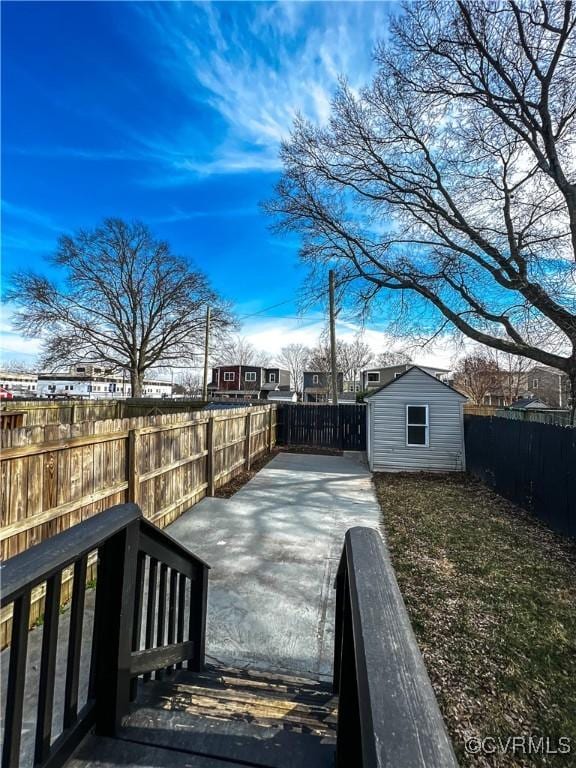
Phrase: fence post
(247, 454)
(114, 616)
(133, 462)
(270, 438)
(210, 456)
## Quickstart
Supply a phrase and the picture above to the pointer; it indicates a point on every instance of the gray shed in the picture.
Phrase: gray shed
(415, 423)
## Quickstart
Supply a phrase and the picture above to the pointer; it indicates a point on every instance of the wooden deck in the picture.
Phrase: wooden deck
(222, 717)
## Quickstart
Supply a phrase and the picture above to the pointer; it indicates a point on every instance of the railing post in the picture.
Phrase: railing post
(113, 623)
(133, 463)
(197, 618)
(210, 456)
(348, 730)
(248, 433)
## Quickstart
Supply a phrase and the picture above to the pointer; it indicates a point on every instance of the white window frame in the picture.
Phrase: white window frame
(315, 378)
(229, 375)
(535, 383)
(272, 378)
(426, 426)
(373, 373)
(250, 376)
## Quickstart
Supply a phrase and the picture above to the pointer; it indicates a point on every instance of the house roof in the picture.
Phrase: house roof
(281, 395)
(404, 373)
(528, 402)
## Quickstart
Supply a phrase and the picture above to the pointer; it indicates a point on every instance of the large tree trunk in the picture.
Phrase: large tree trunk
(136, 380)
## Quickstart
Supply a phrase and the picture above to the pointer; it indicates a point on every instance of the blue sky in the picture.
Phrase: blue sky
(171, 113)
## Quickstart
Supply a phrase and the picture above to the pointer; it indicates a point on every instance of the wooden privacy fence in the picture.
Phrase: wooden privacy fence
(532, 464)
(44, 412)
(164, 463)
(339, 427)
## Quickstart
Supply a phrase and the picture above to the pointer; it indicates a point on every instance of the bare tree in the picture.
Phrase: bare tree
(190, 383)
(387, 359)
(294, 358)
(450, 182)
(513, 373)
(237, 350)
(478, 375)
(353, 356)
(124, 299)
(18, 366)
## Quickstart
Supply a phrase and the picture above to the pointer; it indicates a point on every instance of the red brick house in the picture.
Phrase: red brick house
(247, 381)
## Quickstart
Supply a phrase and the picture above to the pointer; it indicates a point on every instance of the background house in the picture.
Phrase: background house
(247, 381)
(372, 378)
(95, 382)
(415, 423)
(548, 384)
(19, 383)
(317, 386)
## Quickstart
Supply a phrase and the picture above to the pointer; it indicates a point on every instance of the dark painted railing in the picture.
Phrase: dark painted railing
(387, 711)
(150, 617)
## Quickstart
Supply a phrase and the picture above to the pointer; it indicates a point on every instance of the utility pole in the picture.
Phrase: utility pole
(206, 352)
(333, 340)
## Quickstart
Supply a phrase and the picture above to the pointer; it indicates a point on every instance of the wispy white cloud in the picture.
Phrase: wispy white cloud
(257, 66)
(269, 334)
(30, 216)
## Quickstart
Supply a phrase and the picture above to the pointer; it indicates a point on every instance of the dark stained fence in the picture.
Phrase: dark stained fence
(338, 427)
(532, 464)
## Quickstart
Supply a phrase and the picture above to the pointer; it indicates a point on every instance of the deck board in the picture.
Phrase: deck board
(224, 716)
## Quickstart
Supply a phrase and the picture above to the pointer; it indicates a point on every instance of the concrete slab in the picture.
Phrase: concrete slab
(274, 549)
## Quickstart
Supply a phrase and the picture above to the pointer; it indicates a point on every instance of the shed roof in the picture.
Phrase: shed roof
(404, 373)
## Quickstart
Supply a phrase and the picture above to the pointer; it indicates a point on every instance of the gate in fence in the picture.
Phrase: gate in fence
(338, 427)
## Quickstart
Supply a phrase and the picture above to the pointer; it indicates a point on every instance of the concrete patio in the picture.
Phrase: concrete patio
(274, 549)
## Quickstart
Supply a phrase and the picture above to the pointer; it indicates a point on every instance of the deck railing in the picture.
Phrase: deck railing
(387, 710)
(149, 617)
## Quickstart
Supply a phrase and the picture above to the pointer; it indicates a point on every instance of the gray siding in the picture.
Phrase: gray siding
(387, 434)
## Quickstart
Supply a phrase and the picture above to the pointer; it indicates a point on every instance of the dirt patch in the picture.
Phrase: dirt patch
(491, 594)
(310, 449)
(234, 485)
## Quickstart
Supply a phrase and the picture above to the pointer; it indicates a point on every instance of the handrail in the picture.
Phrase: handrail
(388, 714)
(150, 617)
(35, 565)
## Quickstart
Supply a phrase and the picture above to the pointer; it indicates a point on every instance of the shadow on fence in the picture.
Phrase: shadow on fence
(532, 464)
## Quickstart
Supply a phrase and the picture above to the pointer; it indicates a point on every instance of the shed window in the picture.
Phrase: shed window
(250, 376)
(272, 378)
(315, 378)
(375, 376)
(417, 425)
(229, 375)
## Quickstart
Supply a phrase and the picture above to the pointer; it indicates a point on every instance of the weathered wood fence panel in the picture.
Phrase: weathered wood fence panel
(42, 412)
(532, 464)
(164, 463)
(337, 427)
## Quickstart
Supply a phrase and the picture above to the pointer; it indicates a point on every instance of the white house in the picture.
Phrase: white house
(415, 423)
(93, 382)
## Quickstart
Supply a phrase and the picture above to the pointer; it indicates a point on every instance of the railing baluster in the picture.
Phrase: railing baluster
(172, 610)
(16, 680)
(137, 626)
(151, 607)
(161, 628)
(181, 612)
(47, 668)
(75, 643)
(197, 624)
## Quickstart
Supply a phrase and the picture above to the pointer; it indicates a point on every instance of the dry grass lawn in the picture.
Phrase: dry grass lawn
(492, 598)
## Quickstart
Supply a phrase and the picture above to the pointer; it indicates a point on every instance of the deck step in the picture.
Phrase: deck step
(224, 717)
